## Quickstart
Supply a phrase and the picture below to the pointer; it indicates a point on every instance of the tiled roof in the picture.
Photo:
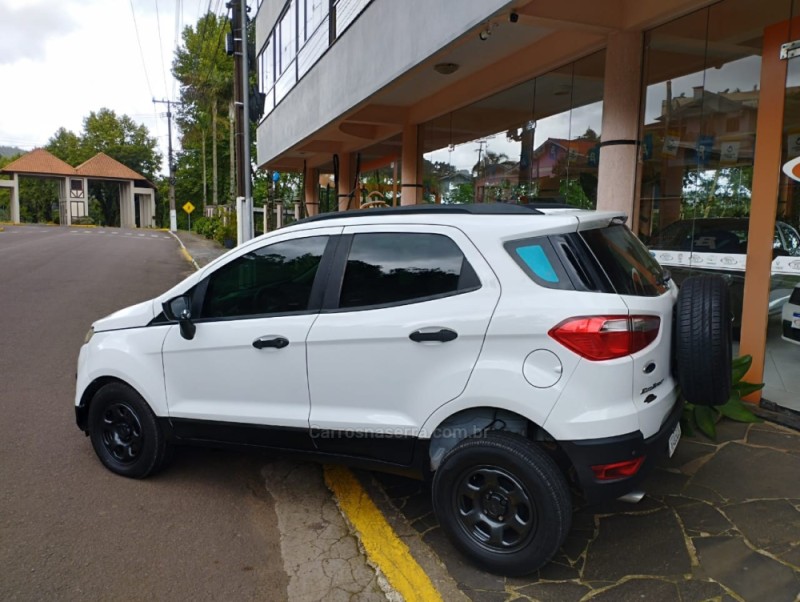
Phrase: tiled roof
(40, 161)
(103, 166)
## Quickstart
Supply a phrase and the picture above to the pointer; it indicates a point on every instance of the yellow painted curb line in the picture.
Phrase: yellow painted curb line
(383, 547)
(186, 255)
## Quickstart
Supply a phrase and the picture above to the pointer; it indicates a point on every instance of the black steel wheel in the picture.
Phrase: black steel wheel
(124, 432)
(703, 334)
(503, 502)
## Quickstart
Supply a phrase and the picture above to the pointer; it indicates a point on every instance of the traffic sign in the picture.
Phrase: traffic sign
(188, 207)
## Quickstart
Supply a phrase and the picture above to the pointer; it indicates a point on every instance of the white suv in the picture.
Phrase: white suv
(504, 351)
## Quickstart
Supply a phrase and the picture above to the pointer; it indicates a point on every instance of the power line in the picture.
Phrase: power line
(141, 53)
(161, 48)
(177, 39)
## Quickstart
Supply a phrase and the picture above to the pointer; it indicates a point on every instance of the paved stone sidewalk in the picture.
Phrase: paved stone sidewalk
(721, 521)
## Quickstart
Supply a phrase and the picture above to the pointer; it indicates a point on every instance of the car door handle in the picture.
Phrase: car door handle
(442, 335)
(276, 342)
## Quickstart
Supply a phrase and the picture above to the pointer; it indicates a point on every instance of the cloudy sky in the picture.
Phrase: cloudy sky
(60, 60)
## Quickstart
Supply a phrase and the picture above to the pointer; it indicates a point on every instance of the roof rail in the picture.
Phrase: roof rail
(462, 209)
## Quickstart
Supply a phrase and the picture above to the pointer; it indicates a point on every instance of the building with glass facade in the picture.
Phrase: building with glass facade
(683, 113)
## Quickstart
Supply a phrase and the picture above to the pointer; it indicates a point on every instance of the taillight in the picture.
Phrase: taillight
(600, 338)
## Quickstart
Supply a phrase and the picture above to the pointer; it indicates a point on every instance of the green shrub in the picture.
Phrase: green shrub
(705, 418)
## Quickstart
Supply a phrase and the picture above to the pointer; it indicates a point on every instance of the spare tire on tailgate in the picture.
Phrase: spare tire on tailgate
(703, 340)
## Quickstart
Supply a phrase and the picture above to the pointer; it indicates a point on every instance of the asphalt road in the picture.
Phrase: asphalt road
(69, 529)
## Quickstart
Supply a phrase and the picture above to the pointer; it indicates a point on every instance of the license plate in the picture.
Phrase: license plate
(673, 440)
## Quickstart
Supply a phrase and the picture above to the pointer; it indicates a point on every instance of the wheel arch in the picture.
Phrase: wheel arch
(82, 409)
(470, 422)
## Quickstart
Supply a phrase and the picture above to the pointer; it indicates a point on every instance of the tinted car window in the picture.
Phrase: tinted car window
(387, 268)
(717, 235)
(792, 240)
(628, 264)
(276, 278)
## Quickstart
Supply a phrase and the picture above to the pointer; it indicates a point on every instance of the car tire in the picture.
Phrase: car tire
(703, 333)
(124, 432)
(503, 502)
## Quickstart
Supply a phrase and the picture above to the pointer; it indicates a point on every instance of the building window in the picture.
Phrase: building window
(287, 41)
(538, 141)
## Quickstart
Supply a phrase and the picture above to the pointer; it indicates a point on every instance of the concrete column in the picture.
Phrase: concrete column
(64, 204)
(310, 191)
(152, 205)
(127, 212)
(15, 199)
(617, 186)
(411, 175)
(345, 183)
(147, 206)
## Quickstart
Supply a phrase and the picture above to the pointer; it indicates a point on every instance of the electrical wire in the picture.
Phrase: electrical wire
(161, 49)
(177, 39)
(141, 53)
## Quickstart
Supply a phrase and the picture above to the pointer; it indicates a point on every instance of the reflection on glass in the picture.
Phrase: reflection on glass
(537, 141)
(703, 77)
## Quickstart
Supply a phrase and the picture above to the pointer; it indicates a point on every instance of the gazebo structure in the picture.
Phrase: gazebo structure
(73, 201)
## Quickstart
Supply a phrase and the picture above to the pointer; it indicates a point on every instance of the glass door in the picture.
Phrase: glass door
(782, 356)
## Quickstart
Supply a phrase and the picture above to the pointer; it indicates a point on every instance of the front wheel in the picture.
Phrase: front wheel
(124, 432)
(503, 502)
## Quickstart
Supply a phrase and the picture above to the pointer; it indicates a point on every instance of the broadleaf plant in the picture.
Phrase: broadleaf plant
(705, 418)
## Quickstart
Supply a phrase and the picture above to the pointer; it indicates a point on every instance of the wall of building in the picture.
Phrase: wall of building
(387, 39)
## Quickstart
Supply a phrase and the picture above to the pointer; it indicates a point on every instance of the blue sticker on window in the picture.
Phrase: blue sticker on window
(536, 259)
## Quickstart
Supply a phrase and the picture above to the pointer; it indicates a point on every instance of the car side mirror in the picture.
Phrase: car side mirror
(180, 309)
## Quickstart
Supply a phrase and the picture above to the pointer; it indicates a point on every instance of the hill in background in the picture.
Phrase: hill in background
(11, 151)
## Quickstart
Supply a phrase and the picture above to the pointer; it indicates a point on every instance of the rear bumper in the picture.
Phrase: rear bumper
(590, 452)
(790, 334)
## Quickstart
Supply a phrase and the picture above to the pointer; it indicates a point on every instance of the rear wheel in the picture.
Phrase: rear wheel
(124, 432)
(503, 502)
(703, 340)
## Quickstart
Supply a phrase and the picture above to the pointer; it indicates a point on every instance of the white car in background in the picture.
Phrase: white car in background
(790, 317)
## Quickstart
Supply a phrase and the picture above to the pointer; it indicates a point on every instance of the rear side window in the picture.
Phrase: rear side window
(538, 258)
(630, 267)
(403, 267)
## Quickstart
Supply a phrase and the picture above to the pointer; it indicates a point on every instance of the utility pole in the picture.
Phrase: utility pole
(173, 216)
(478, 171)
(244, 198)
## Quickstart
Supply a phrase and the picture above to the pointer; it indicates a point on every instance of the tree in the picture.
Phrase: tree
(66, 145)
(206, 76)
(462, 193)
(123, 139)
(488, 163)
(120, 138)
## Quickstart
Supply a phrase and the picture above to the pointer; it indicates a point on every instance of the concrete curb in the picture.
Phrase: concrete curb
(185, 252)
(424, 554)
(384, 549)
